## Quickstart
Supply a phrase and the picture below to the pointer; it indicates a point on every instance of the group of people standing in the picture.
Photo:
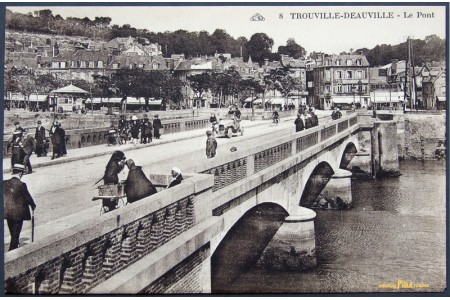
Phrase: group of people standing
(306, 118)
(24, 142)
(137, 185)
(139, 130)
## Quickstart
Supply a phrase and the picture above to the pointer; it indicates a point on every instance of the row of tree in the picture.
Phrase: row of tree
(193, 44)
(160, 85)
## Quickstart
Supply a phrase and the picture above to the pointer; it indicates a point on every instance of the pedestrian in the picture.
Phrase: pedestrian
(17, 153)
(156, 127)
(41, 140)
(299, 123)
(137, 185)
(122, 127)
(336, 114)
(314, 117)
(115, 165)
(28, 148)
(308, 120)
(134, 129)
(177, 177)
(17, 200)
(146, 130)
(211, 144)
(62, 136)
(57, 136)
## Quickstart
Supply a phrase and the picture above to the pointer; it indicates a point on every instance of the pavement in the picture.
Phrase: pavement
(100, 150)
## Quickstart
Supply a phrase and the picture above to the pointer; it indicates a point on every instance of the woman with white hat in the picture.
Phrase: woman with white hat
(177, 177)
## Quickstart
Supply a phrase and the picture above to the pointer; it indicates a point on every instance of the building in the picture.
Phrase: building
(341, 80)
(81, 64)
(386, 88)
(434, 90)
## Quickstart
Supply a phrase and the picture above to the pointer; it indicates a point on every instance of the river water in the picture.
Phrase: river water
(395, 231)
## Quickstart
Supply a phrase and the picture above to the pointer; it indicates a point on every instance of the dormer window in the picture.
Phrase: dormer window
(155, 66)
(140, 66)
(359, 62)
(100, 64)
(348, 62)
(115, 65)
(338, 62)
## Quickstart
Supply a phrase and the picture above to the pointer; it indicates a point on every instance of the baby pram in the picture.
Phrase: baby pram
(112, 137)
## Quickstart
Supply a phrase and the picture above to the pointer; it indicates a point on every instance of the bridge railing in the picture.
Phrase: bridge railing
(238, 165)
(78, 258)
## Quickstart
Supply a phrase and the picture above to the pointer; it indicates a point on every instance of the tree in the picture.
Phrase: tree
(259, 47)
(200, 83)
(292, 49)
(46, 83)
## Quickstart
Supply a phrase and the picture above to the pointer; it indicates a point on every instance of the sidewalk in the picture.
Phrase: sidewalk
(100, 150)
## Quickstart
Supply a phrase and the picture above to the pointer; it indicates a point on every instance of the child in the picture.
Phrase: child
(211, 145)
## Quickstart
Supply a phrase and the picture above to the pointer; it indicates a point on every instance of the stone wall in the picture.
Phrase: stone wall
(423, 136)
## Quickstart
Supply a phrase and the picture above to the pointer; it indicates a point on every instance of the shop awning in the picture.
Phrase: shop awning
(252, 99)
(38, 98)
(277, 101)
(385, 97)
(344, 100)
(441, 98)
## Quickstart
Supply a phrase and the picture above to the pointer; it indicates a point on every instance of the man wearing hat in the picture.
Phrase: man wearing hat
(17, 200)
(28, 147)
(211, 144)
(157, 125)
(39, 136)
(146, 130)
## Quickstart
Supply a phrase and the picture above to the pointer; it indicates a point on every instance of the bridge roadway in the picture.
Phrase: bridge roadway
(62, 190)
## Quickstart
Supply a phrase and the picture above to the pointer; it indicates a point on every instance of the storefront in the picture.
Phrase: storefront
(386, 96)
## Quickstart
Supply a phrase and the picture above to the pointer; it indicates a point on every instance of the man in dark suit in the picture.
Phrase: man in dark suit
(40, 140)
(17, 200)
(156, 127)
(28, 147)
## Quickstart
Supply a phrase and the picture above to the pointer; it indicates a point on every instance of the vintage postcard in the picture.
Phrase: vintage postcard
(232, 148)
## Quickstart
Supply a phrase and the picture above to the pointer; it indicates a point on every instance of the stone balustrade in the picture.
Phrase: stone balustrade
(78, 258)
(243, 163)
(79, 138)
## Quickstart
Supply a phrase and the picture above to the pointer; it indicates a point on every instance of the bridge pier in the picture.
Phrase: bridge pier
(337, 194)
(361, 164)
(293, 247)
(385, 149)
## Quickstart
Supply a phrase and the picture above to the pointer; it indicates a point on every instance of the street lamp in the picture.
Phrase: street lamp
(359, 90)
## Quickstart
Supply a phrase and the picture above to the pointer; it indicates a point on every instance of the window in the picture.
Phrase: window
(327, 75)
(100, 64)
(91, 64)
(83, 64)
(338, 62)
(55, 64)
(359, 62)
(348, 62)
(338, 75)
(73, 64)
(155, 66)
(349, 75)
(358, 75)
(115, 65)
(339, 88)
(140, 66)
(63, 65)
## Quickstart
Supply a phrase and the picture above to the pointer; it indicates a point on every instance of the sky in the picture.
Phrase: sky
(310, 26)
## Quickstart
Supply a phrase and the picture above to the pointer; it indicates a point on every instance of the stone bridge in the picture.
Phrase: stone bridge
(163, 244)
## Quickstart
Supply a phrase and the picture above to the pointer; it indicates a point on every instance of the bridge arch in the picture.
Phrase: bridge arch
(347, 155)
(243, 244)
(317, 181)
